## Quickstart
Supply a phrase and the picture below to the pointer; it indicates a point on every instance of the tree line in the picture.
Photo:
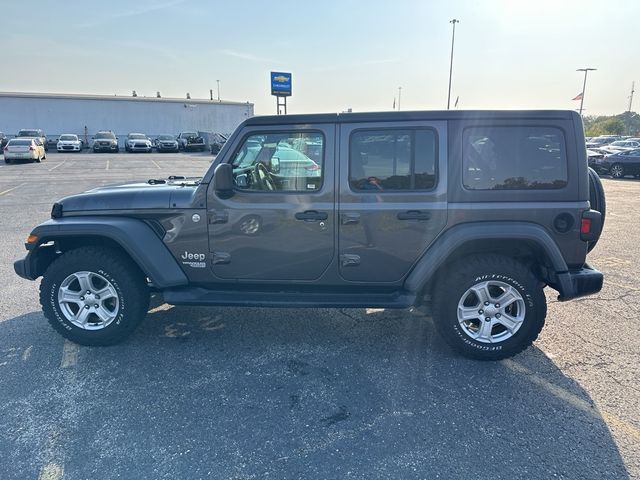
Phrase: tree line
(627, 123)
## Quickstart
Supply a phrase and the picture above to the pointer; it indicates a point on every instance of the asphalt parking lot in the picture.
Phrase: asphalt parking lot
(288, 394)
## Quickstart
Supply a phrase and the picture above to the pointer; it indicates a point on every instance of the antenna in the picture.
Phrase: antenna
(633, 84)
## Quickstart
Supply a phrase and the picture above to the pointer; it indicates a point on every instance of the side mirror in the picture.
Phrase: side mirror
(275, 165)
(223, 180)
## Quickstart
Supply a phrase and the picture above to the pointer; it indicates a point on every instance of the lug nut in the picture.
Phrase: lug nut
(97, 297)
(497, 305)
(82, 298)
(498, 315)
(86, 306)
(95, 306)
(486, 304)
(88, 292)
(480, 311)
(487, 319)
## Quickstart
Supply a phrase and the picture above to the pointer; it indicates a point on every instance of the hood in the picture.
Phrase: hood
(153, 194)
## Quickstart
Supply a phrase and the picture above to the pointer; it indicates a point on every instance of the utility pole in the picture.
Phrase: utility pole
(633, 84)
(584, 85)
(399, 94)
(453, 38)
(218, 81)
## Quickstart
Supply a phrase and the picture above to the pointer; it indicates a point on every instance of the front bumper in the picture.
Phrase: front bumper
(68, 148)
(105, 148)
(579, 283)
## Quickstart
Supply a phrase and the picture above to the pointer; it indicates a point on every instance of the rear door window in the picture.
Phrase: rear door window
(392, 160)
(514, 158)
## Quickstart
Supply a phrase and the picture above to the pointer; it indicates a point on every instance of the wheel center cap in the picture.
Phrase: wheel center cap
(490, 310)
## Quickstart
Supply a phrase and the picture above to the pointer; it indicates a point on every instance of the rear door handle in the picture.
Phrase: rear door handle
(311, 215)
(414, 215)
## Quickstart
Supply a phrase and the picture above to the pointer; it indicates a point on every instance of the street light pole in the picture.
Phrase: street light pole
(584, 84)
(399, 94)
(218, 81)
(453, 38)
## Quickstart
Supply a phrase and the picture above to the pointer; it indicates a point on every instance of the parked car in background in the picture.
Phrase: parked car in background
(593, 156)
(69, 142)
(601, 141)
(217, 141)
(3, 140)
(26, 148)
(105, 141)
(621, 146)
(166, 143)
(190, 141)
(619, 164)
(34, 133)
(138, 142)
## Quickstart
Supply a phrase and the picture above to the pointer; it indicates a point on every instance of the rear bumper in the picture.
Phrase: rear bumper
(579, 283)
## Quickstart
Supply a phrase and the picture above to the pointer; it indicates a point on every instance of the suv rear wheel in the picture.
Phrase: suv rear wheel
(93, 296)
(489, 307)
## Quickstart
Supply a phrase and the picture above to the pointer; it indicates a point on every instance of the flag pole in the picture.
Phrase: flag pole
(584, 84)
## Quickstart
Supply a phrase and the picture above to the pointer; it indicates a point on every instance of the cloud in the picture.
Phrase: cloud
(132, 12)
(364, 63)
(248, 56)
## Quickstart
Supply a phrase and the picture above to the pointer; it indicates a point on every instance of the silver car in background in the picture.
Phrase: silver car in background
(30, 149)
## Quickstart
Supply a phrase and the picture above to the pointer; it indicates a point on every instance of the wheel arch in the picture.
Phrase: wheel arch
(134, 238)
(529, 243)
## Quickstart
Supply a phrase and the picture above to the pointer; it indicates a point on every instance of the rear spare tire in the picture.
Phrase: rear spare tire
(597, 201)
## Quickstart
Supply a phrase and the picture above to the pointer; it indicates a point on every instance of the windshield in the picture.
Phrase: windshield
(137, 136)
(189, 134)
(165, 137)
(69, 138)
(28, 133)
(19, 142)
(105, 135)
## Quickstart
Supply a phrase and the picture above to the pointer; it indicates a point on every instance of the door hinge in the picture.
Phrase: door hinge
(349, 260)
(220, 257)
(218, 217)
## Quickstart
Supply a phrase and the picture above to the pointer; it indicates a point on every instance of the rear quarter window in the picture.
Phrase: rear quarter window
(514, 158)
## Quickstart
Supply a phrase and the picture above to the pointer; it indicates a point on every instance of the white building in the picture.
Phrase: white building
(86, 114)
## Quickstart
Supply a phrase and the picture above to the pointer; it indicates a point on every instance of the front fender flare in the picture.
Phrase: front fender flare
(134, 236)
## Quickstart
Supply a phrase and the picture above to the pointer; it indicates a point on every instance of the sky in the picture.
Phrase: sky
(341, 53)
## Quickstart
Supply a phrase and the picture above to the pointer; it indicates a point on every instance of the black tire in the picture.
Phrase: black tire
(117, 150)
(617, 171)
(127, 280)
(451, 288)
(597, 201)
(7, 161)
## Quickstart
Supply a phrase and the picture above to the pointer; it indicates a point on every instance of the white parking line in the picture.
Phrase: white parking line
(27, 353)
(11, 189)
(107, 167)
(51, 471)
(69, 354)
(154, 162)
(62, 163)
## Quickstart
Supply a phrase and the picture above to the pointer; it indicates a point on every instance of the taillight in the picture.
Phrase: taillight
(585, 226)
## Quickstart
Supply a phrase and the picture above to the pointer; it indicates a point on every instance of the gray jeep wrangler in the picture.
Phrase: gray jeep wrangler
(469, 213)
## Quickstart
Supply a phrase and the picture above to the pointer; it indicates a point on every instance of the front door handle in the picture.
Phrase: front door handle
(311, 215)
(414, 215)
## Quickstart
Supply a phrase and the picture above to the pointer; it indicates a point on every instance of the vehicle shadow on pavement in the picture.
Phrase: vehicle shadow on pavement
(289, 393)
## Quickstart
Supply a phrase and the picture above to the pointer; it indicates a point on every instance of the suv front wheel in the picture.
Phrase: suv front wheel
(489, 307)
(94, 296)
